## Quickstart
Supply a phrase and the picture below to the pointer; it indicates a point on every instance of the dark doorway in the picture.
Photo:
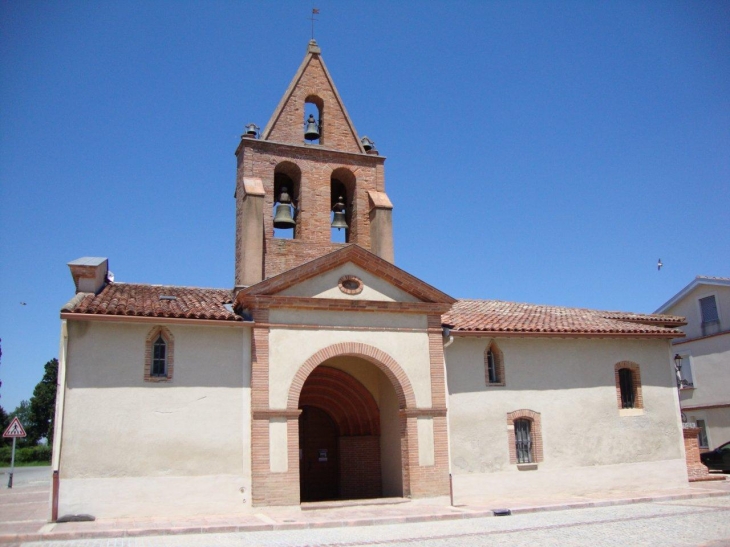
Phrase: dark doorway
(339, 437)
(318, 461)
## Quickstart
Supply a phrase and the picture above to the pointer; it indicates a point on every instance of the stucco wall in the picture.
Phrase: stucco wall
(326, 286)
(571, 383)
(689, 307)
(144, 445)
(290, 347)
(710, 364)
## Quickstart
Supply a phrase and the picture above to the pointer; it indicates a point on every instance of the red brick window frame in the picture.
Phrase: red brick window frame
(628, 392)
(169, 339)
(494, 365)
(535, 435)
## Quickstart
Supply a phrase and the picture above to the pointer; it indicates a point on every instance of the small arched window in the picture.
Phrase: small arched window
(159, 355)
(628, 386)
(494, 365)
(525, 437)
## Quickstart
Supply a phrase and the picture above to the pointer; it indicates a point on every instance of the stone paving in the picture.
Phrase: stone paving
(694, 515)
(691, 522)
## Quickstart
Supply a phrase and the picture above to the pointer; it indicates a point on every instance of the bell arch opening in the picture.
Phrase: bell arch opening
(350, 430)
(342, 194)
(313, 120)
(287, 180)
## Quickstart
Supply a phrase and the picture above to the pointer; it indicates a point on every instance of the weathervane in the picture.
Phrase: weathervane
(315, 11)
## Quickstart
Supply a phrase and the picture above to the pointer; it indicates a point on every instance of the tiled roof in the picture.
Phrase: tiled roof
(131, 299)
(513, 317)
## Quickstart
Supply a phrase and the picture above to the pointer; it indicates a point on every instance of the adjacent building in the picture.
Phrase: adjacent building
(705, 351)
(327, 372)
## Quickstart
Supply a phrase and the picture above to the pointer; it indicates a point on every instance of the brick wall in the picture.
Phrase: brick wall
(314, 86)
(696, 470)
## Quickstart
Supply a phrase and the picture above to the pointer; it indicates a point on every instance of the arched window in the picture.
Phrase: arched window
(628, 386)
(159, 355)
(525, 437)
(494, 365)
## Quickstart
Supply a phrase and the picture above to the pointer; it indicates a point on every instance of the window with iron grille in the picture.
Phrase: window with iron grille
(626, 383)
(159, 357)
(523, 440)
(710, 317)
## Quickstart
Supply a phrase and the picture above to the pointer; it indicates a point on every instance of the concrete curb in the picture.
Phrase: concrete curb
(448, 514)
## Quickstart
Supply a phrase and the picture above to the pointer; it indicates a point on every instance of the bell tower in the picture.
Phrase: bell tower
(307, 184)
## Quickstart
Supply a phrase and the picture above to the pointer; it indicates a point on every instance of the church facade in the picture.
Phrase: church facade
(327, 372)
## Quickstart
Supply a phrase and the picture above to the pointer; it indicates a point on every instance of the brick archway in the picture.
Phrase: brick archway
(388, 365)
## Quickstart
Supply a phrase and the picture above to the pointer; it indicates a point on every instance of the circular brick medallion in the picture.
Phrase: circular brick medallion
(350, 284)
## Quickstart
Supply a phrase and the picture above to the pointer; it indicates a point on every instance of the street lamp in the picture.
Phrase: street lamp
(678, 368)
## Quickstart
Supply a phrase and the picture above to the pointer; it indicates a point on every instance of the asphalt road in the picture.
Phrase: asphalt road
(26, 476)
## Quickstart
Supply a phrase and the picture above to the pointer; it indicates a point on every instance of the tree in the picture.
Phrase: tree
(22, 412)
(43, 405)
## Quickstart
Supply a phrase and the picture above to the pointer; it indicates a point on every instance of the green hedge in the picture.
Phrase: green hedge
(39, 453)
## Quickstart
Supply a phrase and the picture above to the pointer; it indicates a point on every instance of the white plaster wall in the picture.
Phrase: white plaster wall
(131, 447)
(689, 307)
(710, 362)
(571, 384)
(289, 348)
(326, 286)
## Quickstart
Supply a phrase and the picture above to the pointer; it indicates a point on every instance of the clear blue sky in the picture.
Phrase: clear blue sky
(545, 152)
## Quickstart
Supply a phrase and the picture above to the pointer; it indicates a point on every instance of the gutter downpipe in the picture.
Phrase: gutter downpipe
(447, 332)
(58, 419)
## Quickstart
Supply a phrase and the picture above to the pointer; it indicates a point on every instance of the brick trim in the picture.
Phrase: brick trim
(349, 280)
(636, 380)
(498, 356)
(170, 354)
(535, 434)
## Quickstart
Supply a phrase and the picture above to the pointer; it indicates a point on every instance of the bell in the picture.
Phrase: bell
(283, 219)
(339, 220)
(312, 131)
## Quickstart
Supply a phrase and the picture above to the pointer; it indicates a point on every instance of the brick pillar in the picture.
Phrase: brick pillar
(695, 469)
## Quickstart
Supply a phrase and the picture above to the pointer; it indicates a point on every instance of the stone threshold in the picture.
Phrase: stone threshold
(336, 504)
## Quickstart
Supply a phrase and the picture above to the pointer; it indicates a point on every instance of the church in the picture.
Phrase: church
(328, 373)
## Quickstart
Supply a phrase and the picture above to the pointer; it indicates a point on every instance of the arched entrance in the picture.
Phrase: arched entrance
(346, 404)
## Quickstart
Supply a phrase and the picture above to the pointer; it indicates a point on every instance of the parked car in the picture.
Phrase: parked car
(718, 459)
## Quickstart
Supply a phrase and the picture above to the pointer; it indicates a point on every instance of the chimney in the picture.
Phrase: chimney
(89, 273)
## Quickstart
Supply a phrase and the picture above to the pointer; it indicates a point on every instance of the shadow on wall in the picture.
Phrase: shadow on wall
(544, 364)
(112, 355)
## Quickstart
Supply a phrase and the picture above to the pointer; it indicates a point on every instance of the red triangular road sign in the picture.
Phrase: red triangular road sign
(14, 429)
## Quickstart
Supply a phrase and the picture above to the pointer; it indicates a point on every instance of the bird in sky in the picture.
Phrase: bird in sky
(659, 265)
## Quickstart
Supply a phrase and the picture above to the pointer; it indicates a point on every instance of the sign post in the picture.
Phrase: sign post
(14, 430)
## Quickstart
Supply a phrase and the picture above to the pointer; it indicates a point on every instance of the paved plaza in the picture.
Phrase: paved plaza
(699, 515)
(694, 522)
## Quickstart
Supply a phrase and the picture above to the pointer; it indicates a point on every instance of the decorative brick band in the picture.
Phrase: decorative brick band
(169, 354)
(388, 365)
(535, 433)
